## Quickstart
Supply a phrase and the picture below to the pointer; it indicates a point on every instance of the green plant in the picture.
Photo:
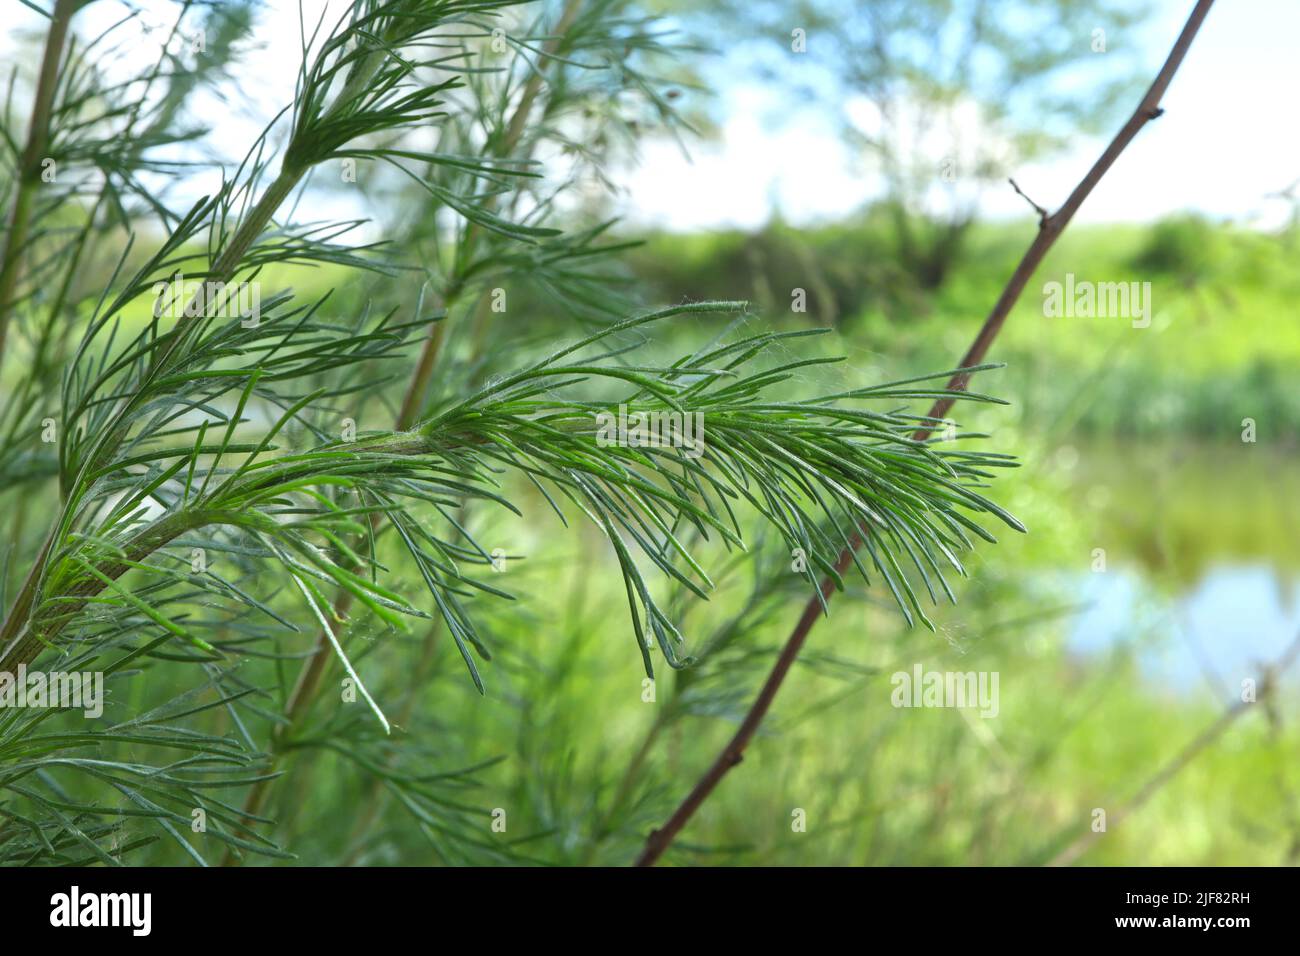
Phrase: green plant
(210, 497)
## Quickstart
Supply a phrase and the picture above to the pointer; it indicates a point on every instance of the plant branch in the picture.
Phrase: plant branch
(1050, 229)
(313, 670)
(413, 401)
(1042, 213)
(16, 649)
(19, 649)
(29, 170)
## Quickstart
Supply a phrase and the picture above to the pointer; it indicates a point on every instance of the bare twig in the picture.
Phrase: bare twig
(1185, 756)
(1042, 213)
(1049, 230)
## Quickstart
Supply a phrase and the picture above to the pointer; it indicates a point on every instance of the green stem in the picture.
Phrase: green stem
(24, 636)
(29, 170)
(413, 400)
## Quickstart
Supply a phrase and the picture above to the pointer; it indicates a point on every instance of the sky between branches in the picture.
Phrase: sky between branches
(1229, 132)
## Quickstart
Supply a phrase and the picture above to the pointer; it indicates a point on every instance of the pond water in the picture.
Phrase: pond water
(1204, 574)
(1210, 636)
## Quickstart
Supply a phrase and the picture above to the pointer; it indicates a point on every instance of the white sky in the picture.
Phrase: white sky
(1229, 136)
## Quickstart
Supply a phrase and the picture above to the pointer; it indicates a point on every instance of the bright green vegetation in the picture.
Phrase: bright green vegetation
(1221, 345)
(368, 585)
(205, 488)
(880, 785)
(583, 766)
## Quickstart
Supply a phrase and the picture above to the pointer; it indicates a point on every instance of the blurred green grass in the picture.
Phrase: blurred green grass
(1223, 344)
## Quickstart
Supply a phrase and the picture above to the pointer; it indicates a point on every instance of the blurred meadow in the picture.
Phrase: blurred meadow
(1157, 481)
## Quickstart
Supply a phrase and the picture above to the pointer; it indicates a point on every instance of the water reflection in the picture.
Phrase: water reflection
(1208, 638)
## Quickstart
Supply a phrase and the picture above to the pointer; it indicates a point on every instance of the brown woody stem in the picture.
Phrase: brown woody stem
(1050, 229)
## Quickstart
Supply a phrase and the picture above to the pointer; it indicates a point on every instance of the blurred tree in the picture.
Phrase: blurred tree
(943, 97)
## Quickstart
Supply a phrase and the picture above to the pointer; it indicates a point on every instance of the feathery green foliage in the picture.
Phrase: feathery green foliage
(234, 438)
